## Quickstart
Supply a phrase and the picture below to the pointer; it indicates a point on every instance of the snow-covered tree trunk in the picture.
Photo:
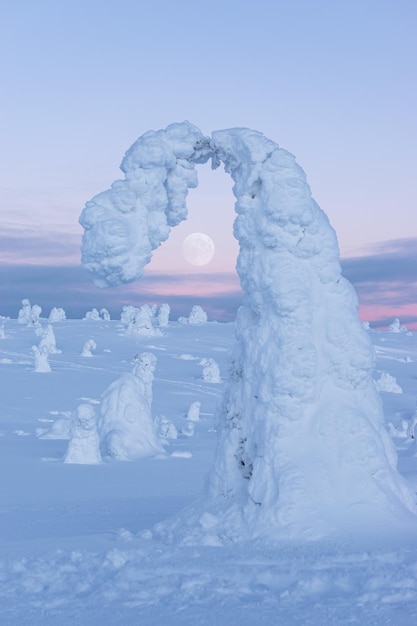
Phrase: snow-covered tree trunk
(302, 451)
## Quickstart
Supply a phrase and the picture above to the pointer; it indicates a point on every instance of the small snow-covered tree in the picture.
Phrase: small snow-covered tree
(105, 315)
(57, 314)
(84, 444)
(48, 340)
(41, 359)
(125, 424)
(211, 371)
(92, 315)
(88, 348)
(197, 315)
(397, 327)
(163, 315)
(24, 313)
(303, 452)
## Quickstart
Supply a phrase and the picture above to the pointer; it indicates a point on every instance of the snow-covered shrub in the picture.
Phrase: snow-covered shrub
(165, 428)
(57, 314)
(24, 315)
(138, 321)
(388, 383)
(397, 327)
(197, 315)
(92, 315)
(88, 348)
(60, 429)
(211, 371)
(300, 409)
(126, 428)
(41, 359)
(84, 444)
(48, 341)
(163, 315)
(2, 332)
(35, 314)
(411, 430)
(193, 413)
(105, 314)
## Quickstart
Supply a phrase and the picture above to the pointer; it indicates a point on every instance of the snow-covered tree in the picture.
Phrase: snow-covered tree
(397, 327)
(23, 316)
(163, 315)
(193, 413)
(211, 371)
(88, 348)
(302, 449)
(92, 315)
(84, 444)
(197, 315)
(41, 359)
(57, 314)
(125, 424)
(47, 340)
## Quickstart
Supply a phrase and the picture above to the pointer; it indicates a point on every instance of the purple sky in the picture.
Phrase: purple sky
(333, 83)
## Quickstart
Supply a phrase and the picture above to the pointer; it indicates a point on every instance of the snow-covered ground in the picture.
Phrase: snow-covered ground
(76, 542)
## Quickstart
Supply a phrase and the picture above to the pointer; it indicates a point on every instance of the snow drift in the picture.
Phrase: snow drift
(302, 450)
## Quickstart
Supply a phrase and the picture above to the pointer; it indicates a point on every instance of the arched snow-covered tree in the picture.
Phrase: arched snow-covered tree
(302, 451)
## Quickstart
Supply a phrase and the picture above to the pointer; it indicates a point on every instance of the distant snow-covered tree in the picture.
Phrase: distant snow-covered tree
(84, 444)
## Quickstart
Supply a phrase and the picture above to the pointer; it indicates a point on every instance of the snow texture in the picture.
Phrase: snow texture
(127, 430)
(302, 451)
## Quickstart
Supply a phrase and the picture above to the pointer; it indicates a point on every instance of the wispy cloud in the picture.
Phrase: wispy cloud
(385, 279)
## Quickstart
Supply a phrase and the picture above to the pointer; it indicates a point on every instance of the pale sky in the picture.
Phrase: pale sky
(332, 81)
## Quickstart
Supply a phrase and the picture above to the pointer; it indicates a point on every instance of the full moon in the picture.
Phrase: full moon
(198, 249)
